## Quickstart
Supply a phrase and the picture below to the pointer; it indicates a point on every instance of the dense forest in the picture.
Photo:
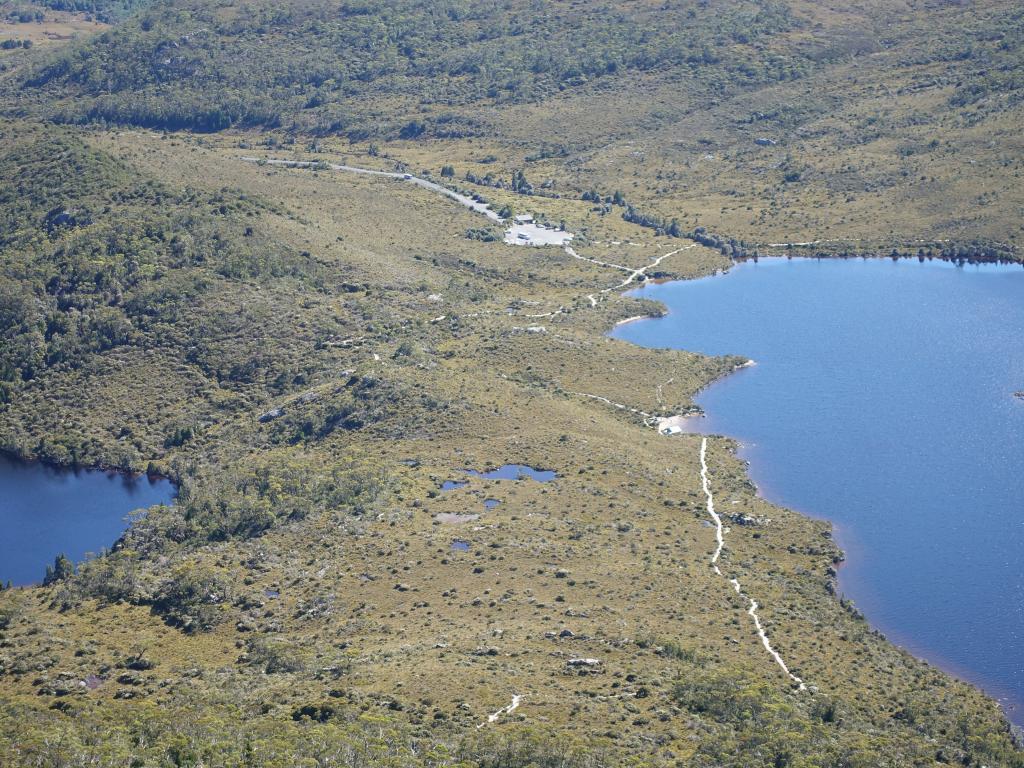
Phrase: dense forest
(98, 280)
(364, 68)
(358, 67)
(104, 10)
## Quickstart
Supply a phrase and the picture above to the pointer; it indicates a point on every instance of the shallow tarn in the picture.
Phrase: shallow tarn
(513, 472)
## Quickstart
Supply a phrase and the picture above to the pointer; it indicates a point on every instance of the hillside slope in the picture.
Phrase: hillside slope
(862, 126)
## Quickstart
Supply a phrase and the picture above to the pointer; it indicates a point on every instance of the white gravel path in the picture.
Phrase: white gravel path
(720, 539)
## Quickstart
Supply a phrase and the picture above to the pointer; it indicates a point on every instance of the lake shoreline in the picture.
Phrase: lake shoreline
(844, 538)
(900, 639)
(57, 466)
(788, 253)
(50, 510)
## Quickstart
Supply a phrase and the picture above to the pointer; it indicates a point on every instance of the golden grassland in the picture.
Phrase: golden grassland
(330, 620)
(55, 29)
(376, 612)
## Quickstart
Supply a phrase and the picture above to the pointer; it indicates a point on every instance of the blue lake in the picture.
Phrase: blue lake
(45, 511)
(883, 400)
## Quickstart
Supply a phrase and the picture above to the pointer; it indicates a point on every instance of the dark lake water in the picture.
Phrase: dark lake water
(883, 400)
(45, 511)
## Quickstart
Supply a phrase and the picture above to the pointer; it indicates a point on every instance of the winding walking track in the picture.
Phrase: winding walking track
(479, 207)
(632, 274)
(720, 539)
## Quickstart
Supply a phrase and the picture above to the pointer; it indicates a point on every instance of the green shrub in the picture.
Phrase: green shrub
(192, 599)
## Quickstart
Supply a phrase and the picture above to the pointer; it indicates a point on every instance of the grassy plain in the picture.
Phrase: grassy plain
(365, 607)
(311, 354)
(54, 29)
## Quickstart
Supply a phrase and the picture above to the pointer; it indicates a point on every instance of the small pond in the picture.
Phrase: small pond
(505, 472)
(515, 472)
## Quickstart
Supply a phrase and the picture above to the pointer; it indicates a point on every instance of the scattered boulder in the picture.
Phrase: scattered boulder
(270, 415)
(741, 518)
(92, 682)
